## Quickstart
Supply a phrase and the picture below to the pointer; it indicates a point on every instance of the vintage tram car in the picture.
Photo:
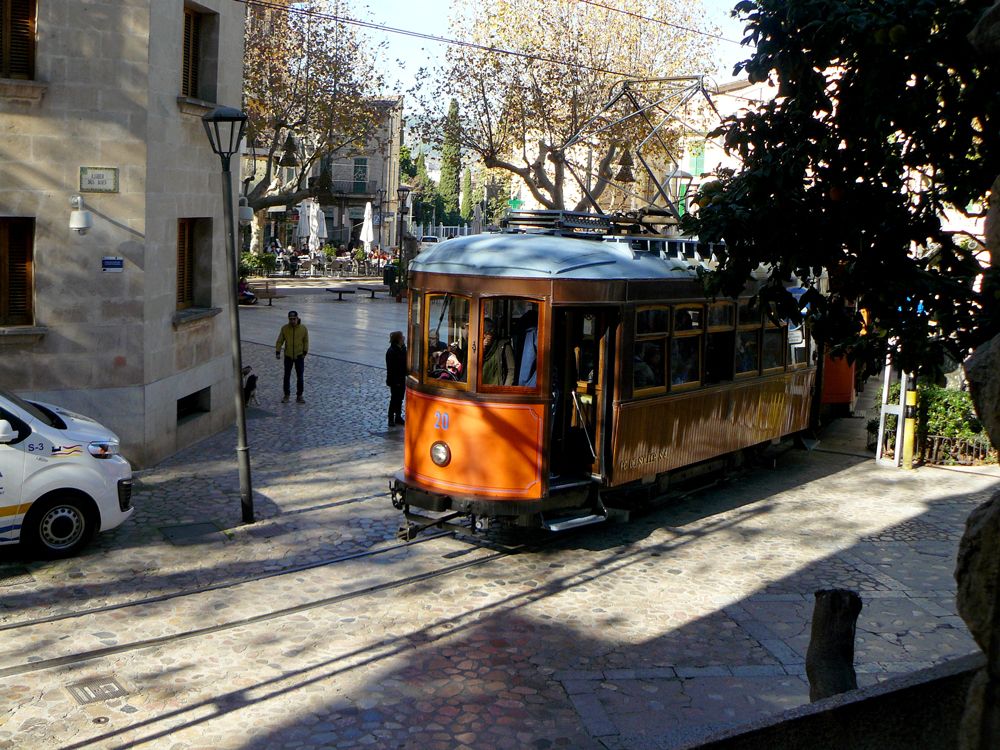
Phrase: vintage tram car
(547, 373)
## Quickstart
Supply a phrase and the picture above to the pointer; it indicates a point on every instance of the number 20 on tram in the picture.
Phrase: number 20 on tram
(547, 374)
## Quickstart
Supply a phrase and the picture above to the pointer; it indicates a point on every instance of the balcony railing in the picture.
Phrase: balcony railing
(353, 187)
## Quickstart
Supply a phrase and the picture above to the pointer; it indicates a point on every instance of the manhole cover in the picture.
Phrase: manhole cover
(15, 576)
(97, 689)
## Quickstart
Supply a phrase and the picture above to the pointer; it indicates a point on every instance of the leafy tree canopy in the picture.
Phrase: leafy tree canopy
(885, 117)
(518, 112)
(310, 78)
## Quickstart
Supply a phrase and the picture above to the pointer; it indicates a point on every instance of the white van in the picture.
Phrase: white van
(61, 478)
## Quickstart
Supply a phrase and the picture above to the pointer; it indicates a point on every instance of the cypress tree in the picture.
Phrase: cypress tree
(451, 166)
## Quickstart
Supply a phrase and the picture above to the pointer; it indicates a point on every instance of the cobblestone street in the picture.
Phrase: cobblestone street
(287, 634)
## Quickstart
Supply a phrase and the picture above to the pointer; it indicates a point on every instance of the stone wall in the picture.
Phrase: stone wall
(107, 344)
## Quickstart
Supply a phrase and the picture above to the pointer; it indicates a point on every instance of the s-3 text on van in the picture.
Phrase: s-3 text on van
(61, 478)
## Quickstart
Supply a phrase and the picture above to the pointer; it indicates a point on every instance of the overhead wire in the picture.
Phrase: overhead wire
(659, 21)
(278, 6)
(429, 37)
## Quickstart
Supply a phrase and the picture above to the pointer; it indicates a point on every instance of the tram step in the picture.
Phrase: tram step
(561, 524)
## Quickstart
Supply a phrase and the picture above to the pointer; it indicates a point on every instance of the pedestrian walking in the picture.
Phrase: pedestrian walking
(294, 338)
(395, 376)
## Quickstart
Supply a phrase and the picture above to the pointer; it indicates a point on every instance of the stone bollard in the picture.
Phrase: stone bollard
(830, 658)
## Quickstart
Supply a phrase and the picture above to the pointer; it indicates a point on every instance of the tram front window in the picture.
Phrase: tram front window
(509, 343)
(447, 338)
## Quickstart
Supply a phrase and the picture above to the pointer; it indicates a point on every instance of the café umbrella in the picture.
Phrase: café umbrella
(367, 229)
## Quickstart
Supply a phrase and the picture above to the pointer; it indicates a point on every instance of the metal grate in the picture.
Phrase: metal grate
(96, 689)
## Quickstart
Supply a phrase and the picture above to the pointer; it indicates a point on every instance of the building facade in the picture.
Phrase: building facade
(100, 116)
(368, 177)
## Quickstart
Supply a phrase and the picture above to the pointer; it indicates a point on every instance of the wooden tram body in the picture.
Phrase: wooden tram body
(636, 375)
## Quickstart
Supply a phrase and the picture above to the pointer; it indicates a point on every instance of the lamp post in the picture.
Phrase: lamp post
(402, 193)
(380, 194)
(224, 127)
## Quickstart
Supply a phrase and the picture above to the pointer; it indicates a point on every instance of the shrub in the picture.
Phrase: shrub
(941, 413)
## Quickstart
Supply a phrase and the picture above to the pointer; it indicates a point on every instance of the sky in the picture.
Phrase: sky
(431, 17)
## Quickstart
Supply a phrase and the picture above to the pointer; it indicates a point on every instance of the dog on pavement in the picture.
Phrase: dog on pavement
(249, 387)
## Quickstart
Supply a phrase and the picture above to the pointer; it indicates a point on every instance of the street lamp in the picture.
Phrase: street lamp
(679, 183)
(402, 193)
(224, 127)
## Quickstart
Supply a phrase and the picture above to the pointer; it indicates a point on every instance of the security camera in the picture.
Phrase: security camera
(80, 219)
(245, 213)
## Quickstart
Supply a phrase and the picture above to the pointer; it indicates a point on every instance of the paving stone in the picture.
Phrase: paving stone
(649, 634)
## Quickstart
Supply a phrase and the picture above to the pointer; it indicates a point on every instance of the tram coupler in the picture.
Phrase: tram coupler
(417, 523)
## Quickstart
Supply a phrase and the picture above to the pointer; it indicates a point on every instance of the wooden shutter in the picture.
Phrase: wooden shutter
(16, 285)
(185, 263)
(192, 44)
(17, 39)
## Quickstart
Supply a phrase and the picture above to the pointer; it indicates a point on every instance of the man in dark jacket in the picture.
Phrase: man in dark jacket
(395, 376)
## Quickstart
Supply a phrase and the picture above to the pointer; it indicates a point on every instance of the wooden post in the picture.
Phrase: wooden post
(830, 658)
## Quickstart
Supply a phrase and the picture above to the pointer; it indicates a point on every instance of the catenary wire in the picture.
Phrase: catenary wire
(270, 5)
(641, 17)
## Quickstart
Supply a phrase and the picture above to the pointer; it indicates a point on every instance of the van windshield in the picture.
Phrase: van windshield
(42, 416)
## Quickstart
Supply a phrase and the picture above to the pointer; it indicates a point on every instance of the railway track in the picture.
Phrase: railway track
(79, 626)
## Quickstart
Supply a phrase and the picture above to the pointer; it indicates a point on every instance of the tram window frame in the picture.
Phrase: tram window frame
(806, 347)
(678, 334)
(416, 339)
(461, 383)
(770, 327)
(749, 321)
(655, 336)
(720, 333)
(507, 331)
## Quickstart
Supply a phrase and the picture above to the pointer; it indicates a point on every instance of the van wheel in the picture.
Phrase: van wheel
(58, 526)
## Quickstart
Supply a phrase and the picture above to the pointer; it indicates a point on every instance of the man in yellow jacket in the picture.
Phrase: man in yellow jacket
(294, 337)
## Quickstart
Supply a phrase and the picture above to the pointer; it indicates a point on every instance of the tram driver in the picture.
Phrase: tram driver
(498, 357)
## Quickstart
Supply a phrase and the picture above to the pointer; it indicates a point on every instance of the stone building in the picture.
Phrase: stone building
(100, 105)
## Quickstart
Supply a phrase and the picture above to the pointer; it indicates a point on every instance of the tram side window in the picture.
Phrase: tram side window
(415, 349)
(649, 360)
(774, 347)
(685, 347)
(798, 345)
(509, 343)
(747, 359)
(447, 338)
(720, 342)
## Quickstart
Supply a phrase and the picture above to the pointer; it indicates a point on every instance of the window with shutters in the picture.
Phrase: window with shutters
(17, 39)
(199, 61)
(194, 263)
(185, 263)
(16, 284)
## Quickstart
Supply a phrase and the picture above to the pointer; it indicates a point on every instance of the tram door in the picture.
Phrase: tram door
(579, 343)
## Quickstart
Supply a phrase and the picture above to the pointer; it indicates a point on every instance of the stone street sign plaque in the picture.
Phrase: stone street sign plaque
(98, 179)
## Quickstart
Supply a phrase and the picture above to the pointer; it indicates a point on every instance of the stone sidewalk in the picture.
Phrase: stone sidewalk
(650, 634)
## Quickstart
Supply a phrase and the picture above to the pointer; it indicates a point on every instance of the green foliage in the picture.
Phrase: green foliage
(252, 264)
(424, 197)
(407, 167)
(881, 122)
(451, 165)
(940, 412)
(467, 194)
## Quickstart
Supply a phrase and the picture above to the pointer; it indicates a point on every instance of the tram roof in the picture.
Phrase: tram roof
(538, 256)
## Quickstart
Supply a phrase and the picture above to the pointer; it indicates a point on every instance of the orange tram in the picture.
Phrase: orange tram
(550, 375)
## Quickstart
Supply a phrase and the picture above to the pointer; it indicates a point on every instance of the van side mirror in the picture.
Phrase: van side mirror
(7, 433)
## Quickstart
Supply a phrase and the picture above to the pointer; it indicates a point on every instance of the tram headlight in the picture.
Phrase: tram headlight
(441, 453)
